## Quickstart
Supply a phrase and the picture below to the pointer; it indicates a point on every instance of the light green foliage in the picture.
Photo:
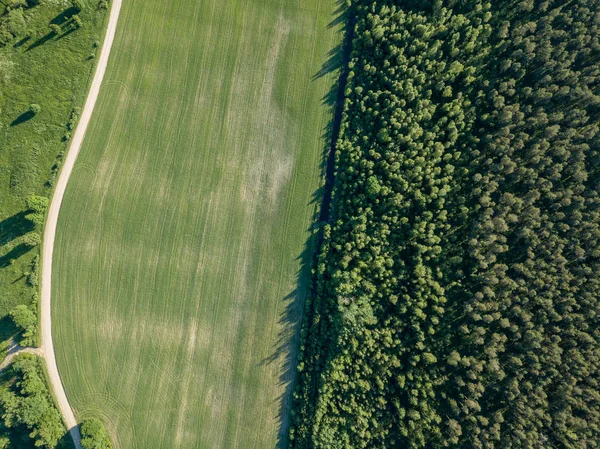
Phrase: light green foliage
(93, 435)
(32, 239)
(179, 254)
(37, 207)
(27, 322)
(77, 22)
(35, 108)
(15, 22)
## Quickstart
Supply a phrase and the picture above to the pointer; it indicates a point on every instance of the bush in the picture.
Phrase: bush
(35, 108)
(93, 435)
(78, 4)
(32, 239)
(26, 321)
(55, 29)
(77, 22)
(37, 206)
(16, 22)
(5, 35)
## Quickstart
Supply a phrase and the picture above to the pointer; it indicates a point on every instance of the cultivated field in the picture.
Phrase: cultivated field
(178, 273)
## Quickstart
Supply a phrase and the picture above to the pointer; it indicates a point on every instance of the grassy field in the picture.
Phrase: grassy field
(52, 71)
(181, 256)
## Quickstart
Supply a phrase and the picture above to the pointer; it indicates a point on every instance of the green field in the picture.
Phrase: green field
(180, 264)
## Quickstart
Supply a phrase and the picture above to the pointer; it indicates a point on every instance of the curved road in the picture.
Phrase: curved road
(50, 231)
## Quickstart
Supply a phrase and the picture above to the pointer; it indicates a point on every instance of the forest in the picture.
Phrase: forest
(456, 289)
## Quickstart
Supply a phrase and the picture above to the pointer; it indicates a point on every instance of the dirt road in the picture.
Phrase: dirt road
(50, 231)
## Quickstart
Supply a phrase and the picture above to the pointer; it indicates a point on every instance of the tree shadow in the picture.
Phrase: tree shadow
(296, 314)
(22, 42)
(8, 328)
(64, 16)
(41, 41)
(14, 227)
(66, 441)
(25, 116)
(66, 33)
(14, 254)
(60, 20)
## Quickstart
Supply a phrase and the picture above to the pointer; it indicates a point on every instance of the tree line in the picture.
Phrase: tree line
(456, 301)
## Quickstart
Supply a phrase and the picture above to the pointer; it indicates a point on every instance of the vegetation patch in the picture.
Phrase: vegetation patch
(47, 50)
(46, 62)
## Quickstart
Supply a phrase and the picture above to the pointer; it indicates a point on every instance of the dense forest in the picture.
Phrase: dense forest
(456, 295)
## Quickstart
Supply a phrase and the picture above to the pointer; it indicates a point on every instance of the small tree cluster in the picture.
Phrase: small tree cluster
(26, 401)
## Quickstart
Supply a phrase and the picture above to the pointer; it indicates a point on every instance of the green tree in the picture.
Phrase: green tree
(93, 435)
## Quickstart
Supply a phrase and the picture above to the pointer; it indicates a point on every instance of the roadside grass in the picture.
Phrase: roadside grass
(183, 247)
(52, 71)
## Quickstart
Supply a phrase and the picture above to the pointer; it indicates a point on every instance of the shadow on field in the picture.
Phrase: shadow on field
(14, 254)
(63, 18)
(7, 328)
(13, 227)
(25, 116)
(294, 314)
(41, 41)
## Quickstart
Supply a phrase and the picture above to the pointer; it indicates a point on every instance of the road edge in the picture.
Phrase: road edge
(51, 222)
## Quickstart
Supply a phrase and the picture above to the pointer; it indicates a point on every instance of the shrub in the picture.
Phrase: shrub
(93, 435)
(37, 206)
(26, 321)
(77, 23)
(16, 22)
(78, 4)
(35, 108)
(32, 239)
(5, 35)
(55, 29)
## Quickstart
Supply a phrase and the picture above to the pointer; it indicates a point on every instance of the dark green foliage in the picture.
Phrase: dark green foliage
(26, 402)
(458, 283)
(93, 435)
